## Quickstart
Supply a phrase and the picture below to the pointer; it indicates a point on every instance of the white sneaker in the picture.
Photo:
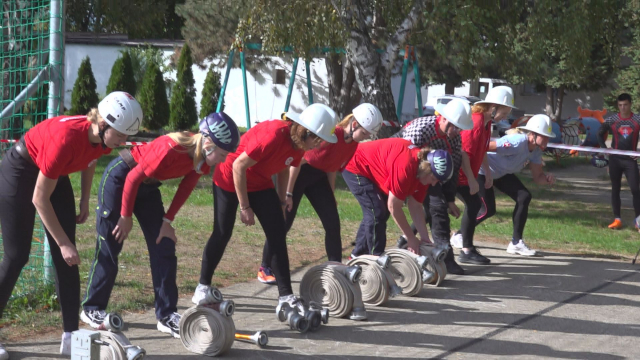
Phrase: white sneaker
(170, 325)
(200, 295)
(4, 354)
(294, 302)
(456, 241)
(94, 318)
(65, 344)
(520, 249)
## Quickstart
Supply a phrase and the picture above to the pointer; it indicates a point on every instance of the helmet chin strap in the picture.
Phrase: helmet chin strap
(206, 153)
(351, 131)
(101, 134)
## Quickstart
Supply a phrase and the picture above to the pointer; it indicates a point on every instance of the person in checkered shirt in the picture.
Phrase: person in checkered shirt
(443, 132)
(624, 128)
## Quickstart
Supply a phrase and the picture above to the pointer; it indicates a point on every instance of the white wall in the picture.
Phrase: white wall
(266, 99)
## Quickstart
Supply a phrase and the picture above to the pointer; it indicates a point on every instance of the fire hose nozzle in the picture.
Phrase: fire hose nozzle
(383, 261)
(260, 338)
(112, 322)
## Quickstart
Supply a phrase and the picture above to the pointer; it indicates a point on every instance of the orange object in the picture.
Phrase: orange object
(266, 278)
(597, 114)
(616, 224)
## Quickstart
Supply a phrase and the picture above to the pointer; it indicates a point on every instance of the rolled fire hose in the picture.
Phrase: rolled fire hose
(116, 346)
(206, 331)
(436, 264)
(335, 286)
(405, 270)
(376, 283)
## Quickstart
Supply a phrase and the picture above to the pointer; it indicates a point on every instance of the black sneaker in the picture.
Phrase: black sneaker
(94, 318)
(473, 257)
(452, 265)
(402, 242)
(170, 325)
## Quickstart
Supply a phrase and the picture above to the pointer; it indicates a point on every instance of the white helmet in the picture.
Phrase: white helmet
(499, 95)
(122, 112)
(539, 124)
(369, 117)
(457, 112)
(319, 119)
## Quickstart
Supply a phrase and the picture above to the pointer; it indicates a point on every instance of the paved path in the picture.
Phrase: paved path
(555, 306)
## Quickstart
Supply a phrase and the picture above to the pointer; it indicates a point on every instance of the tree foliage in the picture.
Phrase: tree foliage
(84, 96)
(153, 98)
(122, 78)
(210, 93)
(566, 46)
(140, 19)
(183, 104)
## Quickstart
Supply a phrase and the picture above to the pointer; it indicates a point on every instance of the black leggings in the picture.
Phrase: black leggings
(472, 205)
(315, 185)
(618, 166)
(515, 189)
(266, 207)
(17, 218)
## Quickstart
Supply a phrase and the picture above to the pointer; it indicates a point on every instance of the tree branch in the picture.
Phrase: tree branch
(399, 38)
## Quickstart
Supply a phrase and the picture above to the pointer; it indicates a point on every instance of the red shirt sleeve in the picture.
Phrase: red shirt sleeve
(131, 185)
(185, 188)
(420, 193)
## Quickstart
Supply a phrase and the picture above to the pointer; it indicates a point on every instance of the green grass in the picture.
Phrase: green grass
(557, 222)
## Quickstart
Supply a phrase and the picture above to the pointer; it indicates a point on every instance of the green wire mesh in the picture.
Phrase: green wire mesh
(24, 52)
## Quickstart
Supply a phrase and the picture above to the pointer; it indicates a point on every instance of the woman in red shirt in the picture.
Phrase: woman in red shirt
(244, 179)
(316, 178)
(130, 185)
(383, 174)
(475, 142)
(34, 176)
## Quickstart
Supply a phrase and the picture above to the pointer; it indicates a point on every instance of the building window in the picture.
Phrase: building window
(280, 77)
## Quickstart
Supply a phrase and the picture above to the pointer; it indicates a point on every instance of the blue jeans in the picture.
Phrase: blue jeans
(371, 238)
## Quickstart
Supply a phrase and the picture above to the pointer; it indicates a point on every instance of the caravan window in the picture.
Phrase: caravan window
(483, 90)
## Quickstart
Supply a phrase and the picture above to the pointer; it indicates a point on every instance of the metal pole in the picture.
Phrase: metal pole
(226, 80)
(291, 82)
(244, 84)
(26, 93)
(403, 83)
(56, 91)
(416, 75)
(310, 90)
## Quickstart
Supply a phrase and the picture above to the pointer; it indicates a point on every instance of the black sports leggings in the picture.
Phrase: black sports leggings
(17, 218)
(266, 207)
(618, 166)
(472, 205)
(515, 189)
(315, 185)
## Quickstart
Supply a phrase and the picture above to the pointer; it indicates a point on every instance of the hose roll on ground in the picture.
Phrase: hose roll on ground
(117, 346)
(206, 331)
(329, 284)
(376, 283)
(436, 264)
(405, 271)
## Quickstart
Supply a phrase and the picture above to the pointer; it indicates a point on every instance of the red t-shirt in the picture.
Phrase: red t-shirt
(161, 159)
(332, 157)
(268, 143)
(475, 143)
(392, 165)
(60, 146)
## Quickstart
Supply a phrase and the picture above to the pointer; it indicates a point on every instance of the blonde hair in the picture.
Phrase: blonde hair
(481, 108)
(424, 167)
(346, 121)
(94, 117)
(191, 141)
(514, 131)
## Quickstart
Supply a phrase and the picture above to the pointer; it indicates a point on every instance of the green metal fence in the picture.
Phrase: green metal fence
(31, 63)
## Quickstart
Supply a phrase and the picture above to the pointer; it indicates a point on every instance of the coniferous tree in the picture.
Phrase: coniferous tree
(153, 99)
(183, 104)
(122, 78)
(210, 93)
(84, 96)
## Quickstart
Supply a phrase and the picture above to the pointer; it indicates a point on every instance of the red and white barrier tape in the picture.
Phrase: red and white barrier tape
(128, 143)
(590, 149)
(391, 123)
